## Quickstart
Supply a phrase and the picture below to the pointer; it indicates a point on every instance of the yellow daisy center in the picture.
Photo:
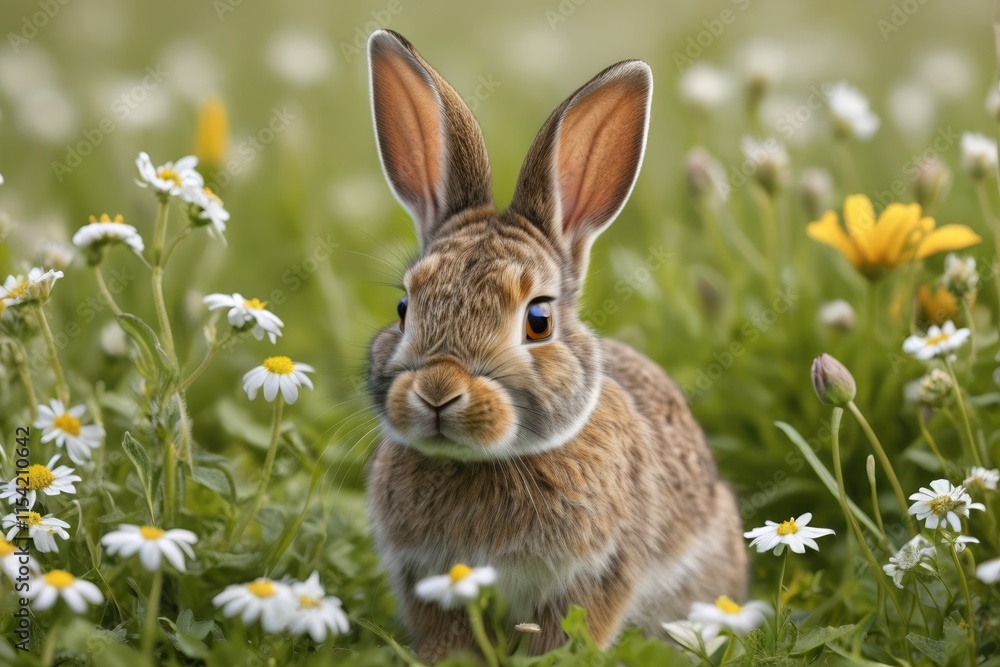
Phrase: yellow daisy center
(32, 519)
(151, 532)
(168, 174)
(254, 303)
(118, 219)
(67, 423)
(6, 548)
(308, 602)
(788, 527)
(459, 572)
(942, 505)
(279, 365)
(39, 477)
(726, 604)
(18, 292)
(59, 578)
(262, 588)
(940, 338)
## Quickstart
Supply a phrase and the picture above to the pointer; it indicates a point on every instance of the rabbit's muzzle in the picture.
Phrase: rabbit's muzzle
(443, 410)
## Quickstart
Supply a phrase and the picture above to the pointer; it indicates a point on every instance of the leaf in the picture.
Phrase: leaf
(153, 363)
(934, 649)
(237, 421)
(214, 479)
(137, 454)
(816, 637)
(824, 474)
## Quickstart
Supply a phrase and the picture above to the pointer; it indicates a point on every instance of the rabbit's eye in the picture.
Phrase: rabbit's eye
(538, 323)
(401, 309)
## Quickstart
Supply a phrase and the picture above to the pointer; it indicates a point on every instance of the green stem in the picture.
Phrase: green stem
(972, 333)
(105, 292)
(961, 409)
(152, 612)
(870, 468)
(169, 479)
(186, 232)
(968, 606)
(159, 239)
(24, 374)
(852, 182)
(49, 648)
(769, 225)
(930, 440)
(884, 460)
(272, 449)
(205, 363)
(479, 632)
(62, 389)
(778, 620)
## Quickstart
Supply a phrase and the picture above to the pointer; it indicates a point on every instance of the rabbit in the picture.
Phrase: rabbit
(513, 436)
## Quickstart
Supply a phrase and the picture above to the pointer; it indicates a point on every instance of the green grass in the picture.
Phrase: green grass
(315, 231)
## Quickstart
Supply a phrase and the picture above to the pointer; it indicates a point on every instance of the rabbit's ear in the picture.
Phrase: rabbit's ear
(585, 160)
(430, 144)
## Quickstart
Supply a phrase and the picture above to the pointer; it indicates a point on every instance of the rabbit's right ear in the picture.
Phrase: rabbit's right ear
(430, 144)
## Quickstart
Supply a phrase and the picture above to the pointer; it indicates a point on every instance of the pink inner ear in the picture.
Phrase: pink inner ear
(408, 121)
(600, 145)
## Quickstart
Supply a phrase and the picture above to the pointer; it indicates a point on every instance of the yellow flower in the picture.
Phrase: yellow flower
(901, 234)
(937, 305)
(211, 141)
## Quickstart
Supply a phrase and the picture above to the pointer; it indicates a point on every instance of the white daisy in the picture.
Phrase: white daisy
(694, 638)
(838, 314)
(277, 373)
(48, 479)
(937, 341)
(852, 111)
(726, 614)
(943, 504)
(270, 601)
(770, 160)
(172, 178)
(45, 591)
(460, 585)
(243, 312)
(35, 287)
(988, 572)
(960, 275)
(796, 533)
(16, 561)
(911, 555)
(152, 544)
(979, 154)
(42, 530)
(106, 230)
(959, 542)
(210, 211)
(317, 613)
(704, 86)
(985, 478)
(55, 255)
(64, 426)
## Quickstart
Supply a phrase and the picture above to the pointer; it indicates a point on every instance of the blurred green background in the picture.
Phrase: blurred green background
(103, 79)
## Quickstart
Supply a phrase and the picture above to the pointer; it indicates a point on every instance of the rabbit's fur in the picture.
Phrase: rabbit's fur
(572, 465)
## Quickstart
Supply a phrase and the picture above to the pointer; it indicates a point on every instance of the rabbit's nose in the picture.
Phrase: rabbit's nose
(437, 404)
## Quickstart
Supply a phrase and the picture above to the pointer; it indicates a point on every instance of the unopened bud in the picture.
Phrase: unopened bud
(931, 182)
(960, 275)
(936, 389)
(833, 383)
(705, 177)
(816, 192)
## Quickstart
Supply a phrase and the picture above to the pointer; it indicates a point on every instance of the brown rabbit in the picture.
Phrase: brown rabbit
(514, 436)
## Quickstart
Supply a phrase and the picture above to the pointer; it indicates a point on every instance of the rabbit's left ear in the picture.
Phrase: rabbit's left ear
(430, 144)
(584, 162)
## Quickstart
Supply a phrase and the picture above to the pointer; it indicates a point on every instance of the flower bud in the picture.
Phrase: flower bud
(838, 315)
(936, 389)
(816, 192)
(833, 383)
(979, 155)
(931, 182)
(770, 161)
(960, 275)
(705, 178)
